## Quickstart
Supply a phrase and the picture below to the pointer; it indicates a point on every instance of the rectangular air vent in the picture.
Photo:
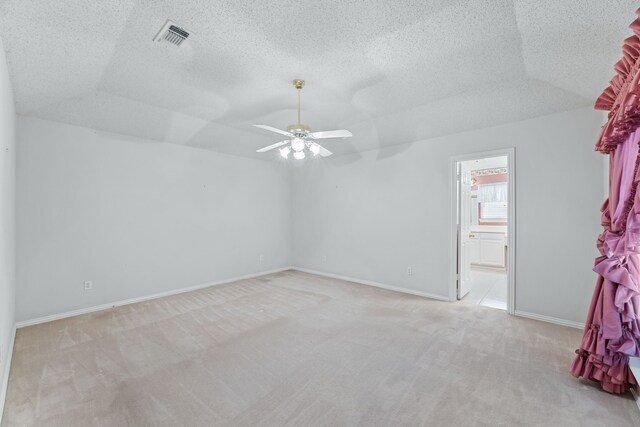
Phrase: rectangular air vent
(171, 33)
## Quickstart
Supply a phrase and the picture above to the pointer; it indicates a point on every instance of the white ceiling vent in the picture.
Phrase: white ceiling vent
(171, 33)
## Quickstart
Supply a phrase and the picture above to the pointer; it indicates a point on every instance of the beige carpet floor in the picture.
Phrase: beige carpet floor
(294, 349)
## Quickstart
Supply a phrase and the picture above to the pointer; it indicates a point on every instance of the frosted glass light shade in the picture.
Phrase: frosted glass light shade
(284, 152)
(297, 144)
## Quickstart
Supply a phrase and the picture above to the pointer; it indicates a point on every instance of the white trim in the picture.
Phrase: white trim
(5, 373)
(453, 230)
(375, 284)
(72, 313)
(534, 316)
(635, 393)
(511, 223)
(549, 319)
(634, 365)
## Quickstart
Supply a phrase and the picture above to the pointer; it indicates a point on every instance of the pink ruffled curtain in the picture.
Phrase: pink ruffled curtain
(612, 331)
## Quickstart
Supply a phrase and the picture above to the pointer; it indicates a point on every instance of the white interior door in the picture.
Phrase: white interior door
(464, 229)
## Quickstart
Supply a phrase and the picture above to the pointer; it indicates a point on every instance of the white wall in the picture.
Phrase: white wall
(137, 217)
(7, 220)
(373, 214)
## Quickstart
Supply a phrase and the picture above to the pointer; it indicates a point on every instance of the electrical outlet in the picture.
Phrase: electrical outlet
(88, 285)
(409, 272)
(324, 258)
(261, 258)
(1, 352)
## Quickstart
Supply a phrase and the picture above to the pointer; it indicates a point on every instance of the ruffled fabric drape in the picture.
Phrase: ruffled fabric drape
(621, 98)
(612, 330)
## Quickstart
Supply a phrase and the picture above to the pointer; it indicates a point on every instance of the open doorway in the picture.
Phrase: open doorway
(483, 239)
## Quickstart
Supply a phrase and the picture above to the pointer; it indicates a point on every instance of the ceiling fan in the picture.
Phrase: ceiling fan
(301, 136)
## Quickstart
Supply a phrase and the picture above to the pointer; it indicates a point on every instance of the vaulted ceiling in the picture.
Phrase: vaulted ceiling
(389, 71)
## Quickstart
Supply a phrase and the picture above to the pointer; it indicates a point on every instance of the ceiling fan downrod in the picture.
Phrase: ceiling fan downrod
(298, 84)
(299, 130)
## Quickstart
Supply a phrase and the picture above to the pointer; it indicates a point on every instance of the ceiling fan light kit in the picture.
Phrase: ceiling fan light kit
(297, 144)
(301, 136)
(284, 152)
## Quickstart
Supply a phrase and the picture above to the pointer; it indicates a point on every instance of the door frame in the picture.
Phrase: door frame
(511, 226)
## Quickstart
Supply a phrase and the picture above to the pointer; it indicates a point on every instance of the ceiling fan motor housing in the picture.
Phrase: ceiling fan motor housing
(299, 130)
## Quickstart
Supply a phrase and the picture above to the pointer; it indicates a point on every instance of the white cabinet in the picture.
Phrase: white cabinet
(474, 249)
(488, 249)
(492, 252)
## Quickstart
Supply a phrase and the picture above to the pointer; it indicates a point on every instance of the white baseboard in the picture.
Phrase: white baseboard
(375, 284)
(5, 373)
(534, 316)
(72, 313)
(549, 319)
(635, 392)
(100, 307)
(634, 364)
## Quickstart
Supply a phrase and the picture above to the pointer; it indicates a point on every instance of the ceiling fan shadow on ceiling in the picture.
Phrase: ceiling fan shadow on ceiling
(301, 137)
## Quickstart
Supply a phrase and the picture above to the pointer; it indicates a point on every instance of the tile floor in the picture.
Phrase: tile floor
(488, 288)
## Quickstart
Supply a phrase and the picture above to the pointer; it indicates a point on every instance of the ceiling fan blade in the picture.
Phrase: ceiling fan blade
(272, 129)
(324, 152)
(272, 146)
(342, 133)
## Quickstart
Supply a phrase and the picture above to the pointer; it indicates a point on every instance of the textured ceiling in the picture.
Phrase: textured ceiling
(389, 71)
